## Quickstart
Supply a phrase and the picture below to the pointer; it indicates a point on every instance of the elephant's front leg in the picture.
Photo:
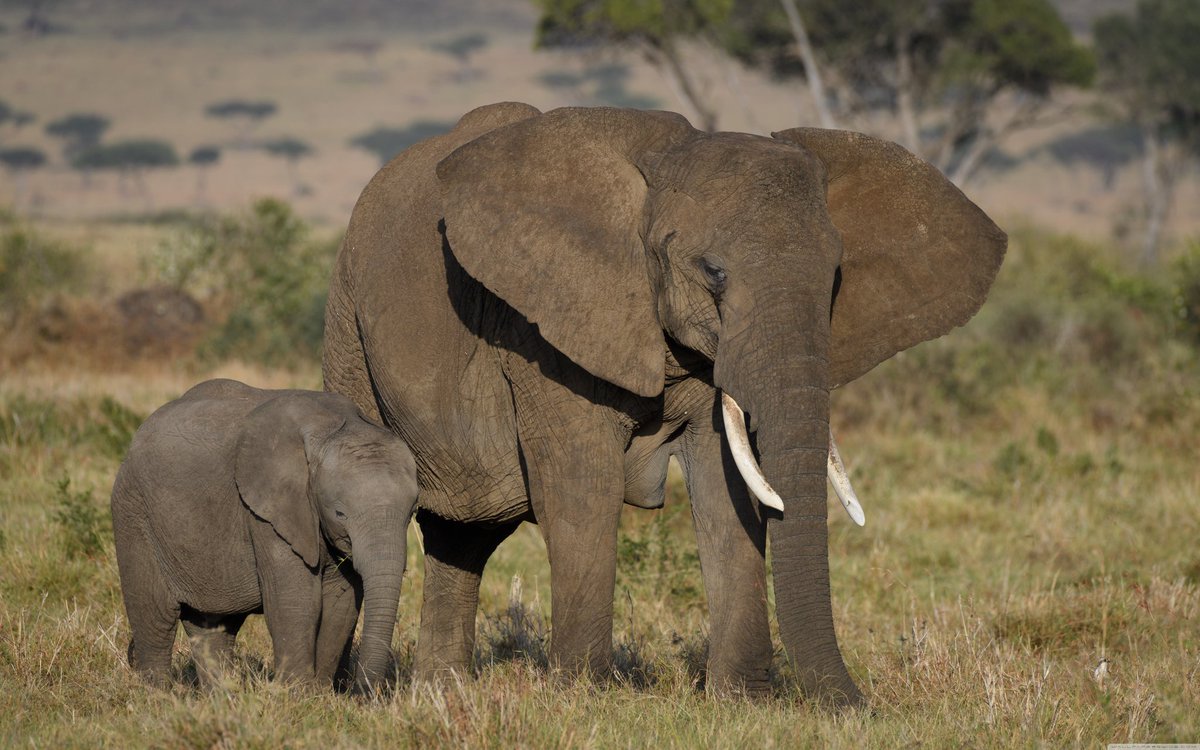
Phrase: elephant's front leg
(341, 599)
(574, 461)
(291, 597)
(732, 539)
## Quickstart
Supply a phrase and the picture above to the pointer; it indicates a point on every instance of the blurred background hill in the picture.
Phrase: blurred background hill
(350, 83)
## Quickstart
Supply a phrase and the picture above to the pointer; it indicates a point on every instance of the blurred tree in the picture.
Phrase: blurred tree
(36, 23)
(247, 115)
(653, 27)
(78, 131)
(366, 47)
(812, 71)
(291, 150)
(130, 159)
(202, 158)
(999, 72)
(980, 69)
(386, 142)
(462, 48)
(1150, 67)
(13, 118)
(603, 84)
(1106, 147)
(19, 162)
(870, 49)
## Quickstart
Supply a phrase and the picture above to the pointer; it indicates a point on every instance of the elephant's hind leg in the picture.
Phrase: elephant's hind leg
(455, 554)
(212, 638)
(152, 610)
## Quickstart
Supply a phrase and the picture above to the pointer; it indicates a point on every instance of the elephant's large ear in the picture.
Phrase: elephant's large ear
(918, 256)
(547, 214)
(272, 469)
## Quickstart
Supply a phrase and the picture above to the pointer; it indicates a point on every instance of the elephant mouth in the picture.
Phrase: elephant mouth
(756, 481)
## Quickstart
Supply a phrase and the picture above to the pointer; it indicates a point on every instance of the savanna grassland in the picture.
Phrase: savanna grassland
(1030, 481)
(1030, 484)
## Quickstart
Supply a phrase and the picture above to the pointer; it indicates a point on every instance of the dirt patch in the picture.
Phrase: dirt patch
(159, 321)
(143, 324)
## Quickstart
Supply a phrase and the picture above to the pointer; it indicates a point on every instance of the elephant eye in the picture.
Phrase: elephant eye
(715, 275)
(339, 514)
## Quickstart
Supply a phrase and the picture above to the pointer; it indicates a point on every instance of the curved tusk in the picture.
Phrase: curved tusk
(739, 445)
(743, 456)
(841, 484)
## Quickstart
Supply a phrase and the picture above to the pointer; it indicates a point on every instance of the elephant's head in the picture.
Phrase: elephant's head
(795, 263)
(320, 474)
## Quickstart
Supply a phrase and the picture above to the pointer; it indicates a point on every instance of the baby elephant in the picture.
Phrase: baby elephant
(235, 500)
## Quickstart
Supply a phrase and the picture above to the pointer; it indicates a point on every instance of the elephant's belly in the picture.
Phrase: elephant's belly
(214, 587)
(485, 500)
(208, 559)
(464, 441)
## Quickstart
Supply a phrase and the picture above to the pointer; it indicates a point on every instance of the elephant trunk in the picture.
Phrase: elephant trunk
(379, 557)
(787, 395)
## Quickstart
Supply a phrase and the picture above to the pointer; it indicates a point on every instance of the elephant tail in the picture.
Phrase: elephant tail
(344, 363)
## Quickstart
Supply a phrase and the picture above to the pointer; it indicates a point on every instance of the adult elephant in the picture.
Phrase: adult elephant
(545, 306)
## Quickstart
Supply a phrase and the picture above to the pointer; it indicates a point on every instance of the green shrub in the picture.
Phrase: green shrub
(28, 422)
(1073, 302)
(33, 268)
(1185, 272)
(267, 278)
(114, 431)
(653, 559)
(83, 525)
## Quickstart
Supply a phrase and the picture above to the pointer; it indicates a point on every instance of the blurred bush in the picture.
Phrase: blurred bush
(1185, 273)
(1073, 301)
(33, 270)
(1065, 317)
(263, 276)
(653, 565)
(84, 526)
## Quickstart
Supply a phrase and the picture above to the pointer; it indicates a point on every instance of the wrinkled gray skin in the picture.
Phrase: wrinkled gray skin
(544, 306)
(235, 500)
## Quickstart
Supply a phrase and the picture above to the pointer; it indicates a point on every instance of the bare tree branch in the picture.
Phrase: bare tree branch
(811, 71)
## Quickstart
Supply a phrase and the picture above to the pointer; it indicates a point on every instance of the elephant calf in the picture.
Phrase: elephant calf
(235, 500)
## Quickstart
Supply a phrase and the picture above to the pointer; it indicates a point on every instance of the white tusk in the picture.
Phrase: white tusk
(739, 445)
(841, 484)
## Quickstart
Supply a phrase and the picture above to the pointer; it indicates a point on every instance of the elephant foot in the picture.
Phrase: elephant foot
(836, 698)
(726, 684)
(156, 675)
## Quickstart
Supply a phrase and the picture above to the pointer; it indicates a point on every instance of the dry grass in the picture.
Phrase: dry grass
(1031, 509)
